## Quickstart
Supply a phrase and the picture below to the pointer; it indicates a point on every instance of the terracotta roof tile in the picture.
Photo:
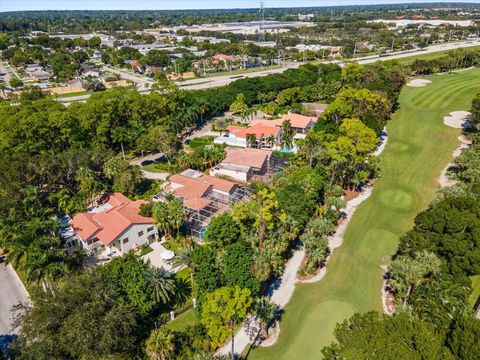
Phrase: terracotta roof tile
(298, 121)
(247, 157)
(109, 224)
(197, 203)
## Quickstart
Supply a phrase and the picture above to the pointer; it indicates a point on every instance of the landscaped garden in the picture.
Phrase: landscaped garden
(419, 146)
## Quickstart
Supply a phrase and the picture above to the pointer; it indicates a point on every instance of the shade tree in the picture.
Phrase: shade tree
(222, 311)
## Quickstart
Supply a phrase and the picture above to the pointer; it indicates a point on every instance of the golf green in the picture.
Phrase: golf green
(418, 148)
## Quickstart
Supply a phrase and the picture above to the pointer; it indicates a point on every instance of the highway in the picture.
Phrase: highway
(428, 50)
(197, 84)
(222, 80)
(12, 292)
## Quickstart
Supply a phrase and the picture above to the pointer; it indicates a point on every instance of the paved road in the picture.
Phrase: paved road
(132, 77)
(12, 292)
(202, 83)
(4, 70)
(428, 50)
(205, 83)
(215, 81)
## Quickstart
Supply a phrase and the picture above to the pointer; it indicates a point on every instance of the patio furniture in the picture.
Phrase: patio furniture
(167, 256)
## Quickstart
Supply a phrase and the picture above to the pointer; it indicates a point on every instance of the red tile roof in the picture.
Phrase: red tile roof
(189, 187)
(247, 157)
(109, 224)
(298, 121)
(234, 128)
(219, 184)
(222, 57)
(197, 203)
(260, 131)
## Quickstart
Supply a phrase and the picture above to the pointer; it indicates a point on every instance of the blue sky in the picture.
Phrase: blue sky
(13, 5)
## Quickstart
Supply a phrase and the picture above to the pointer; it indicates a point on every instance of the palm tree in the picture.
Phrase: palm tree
(160, 215)
(176, 213)
(183, 290)
(287, 134)
(266, 312)
(45, 261)
(169, 216)
(184, 258)
(160, 344)
(251, 140)
(120, 135)
(267, 263)
(183, 160)
(406, 273)
(271, 140)
(163, 283)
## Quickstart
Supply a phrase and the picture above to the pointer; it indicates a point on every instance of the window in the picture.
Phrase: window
(91, 241)
(140, 233)
(125, 240)
(150, 229)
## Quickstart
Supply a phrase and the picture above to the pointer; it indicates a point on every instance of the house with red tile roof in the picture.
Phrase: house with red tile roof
(237, 135)
(197, 190)
(203, 197)
(242, 164)
(114, 227)
(265, 131)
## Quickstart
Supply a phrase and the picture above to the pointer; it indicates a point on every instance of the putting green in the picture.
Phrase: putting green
(419, 146)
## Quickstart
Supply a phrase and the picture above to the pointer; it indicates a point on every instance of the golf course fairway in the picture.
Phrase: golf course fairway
(418, 148)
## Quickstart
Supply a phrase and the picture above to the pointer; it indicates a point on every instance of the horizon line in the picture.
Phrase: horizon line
(432, 3)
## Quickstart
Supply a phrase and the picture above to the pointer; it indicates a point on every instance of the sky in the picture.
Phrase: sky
(15, 5)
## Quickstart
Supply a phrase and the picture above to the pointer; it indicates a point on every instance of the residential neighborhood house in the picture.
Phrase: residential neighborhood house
(114, 226)
(203, 197)
(267, 133)
(243, 164)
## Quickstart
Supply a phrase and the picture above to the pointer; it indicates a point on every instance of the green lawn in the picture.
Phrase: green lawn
(243, 71)
(476, 290)
(183, 320)
(419, 146)
(68, 95)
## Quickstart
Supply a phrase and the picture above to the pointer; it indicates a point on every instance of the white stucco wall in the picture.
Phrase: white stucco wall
(133, 239)
(237, 175)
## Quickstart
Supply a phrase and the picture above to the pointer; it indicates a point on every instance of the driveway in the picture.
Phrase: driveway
(148, 159)
(12, 292)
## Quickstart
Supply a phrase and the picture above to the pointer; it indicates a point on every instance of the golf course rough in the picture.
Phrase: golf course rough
(418, 148)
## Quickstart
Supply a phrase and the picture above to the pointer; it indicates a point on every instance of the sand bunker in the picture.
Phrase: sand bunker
(418, 83)
(456, 119)
(444, 179)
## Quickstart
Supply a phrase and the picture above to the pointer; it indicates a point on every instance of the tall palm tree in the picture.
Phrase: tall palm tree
(176, 213)
(120, 135)
(271, 140)
(160, 215)
(160, 344)
(266, 311)
(251, 140)
(184, 258)
(162, 282)
(287, 134)
(169, 216)
(46, 260)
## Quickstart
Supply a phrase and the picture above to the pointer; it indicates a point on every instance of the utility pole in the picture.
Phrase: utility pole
(393, 43)
(355, 50)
